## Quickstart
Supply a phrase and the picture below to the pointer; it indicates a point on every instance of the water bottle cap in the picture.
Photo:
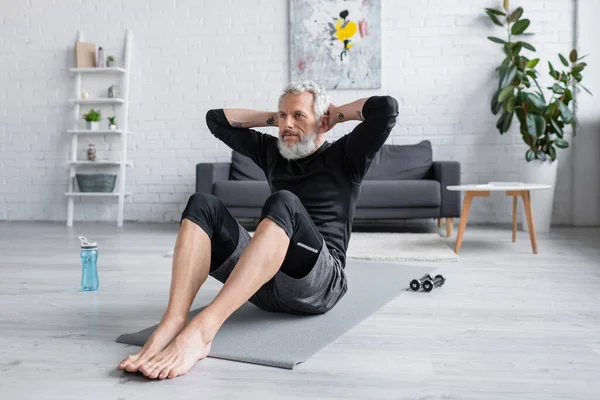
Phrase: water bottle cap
(86, 244)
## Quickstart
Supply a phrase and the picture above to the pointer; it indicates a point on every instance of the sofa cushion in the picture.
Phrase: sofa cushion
(404, 193)
(244, 169)
(401, 162)
(242, 193)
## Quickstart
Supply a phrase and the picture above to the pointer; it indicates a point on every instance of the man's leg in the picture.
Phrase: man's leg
(195, 254)
(258, 264)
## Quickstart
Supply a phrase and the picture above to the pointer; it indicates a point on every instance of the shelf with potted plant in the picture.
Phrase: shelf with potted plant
(96, 70)
(96, 194)
(94, 184)
(98, 101)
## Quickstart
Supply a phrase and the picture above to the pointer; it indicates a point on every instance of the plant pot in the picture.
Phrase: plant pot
(112, 127)
(542, 201)
(92, 125)
(110, 63)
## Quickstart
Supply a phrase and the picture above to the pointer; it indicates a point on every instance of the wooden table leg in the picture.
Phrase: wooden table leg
(449, 222)
(464, 215)
(514, 219)
(439, 222)
(529, 214)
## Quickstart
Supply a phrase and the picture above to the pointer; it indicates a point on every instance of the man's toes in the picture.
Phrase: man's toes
(173, 373)
(137, 364)
(165, 371)
(155, 370)
(127, 360)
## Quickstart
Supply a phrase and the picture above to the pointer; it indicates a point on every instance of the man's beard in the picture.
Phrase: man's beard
(304, 147)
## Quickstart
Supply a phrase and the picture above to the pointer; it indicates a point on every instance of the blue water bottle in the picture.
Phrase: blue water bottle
(89, 269)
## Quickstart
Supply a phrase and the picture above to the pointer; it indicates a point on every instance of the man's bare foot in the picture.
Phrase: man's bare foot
(190, 346)
(168, 328)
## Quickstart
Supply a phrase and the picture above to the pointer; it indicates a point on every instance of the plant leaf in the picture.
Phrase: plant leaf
(561, 143)
(577, 68)
(505, 5)
(556, 88)
(527, 46)
(563, 60)
(515, 15)
(507, 121)
(510, 104)
(584, 88)
(496, 105)
(530, 122)
(529, 155)
(565, 112)
(550, 110)
(573, 55)
(500, 122)
(509, 90)
(537, 102)
(533, 63)
(508, 78)
(520, 26)
(495, 20)
(552, 153)
(568, 95)
(496, 40)
(494, 11)
(556, 127)
(540, 125)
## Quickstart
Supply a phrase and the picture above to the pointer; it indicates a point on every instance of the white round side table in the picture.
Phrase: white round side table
(514, 189)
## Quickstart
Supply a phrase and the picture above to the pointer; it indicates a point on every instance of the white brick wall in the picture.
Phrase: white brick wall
(193, 55)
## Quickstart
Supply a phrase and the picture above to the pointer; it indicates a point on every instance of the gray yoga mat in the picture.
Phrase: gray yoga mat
(283, 340)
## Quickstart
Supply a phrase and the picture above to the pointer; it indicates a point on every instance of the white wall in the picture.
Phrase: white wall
(192, 55)
(586, 159)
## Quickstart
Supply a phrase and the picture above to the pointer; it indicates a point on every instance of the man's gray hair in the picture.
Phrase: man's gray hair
(320, 99)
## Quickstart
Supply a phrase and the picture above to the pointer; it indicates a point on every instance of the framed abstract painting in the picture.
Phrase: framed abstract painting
(336, 43)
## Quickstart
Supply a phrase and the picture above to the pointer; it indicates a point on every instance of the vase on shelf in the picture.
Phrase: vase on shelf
(92, 125)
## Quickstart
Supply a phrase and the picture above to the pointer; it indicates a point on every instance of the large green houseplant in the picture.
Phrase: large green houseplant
(542, 121)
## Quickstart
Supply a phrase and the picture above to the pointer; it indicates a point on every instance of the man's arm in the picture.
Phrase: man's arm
(378, 115)
(241, 118)
(232, 127)
(347, 112)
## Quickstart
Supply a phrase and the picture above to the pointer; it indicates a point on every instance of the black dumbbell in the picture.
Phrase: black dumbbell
(428, 284)
(415, 284)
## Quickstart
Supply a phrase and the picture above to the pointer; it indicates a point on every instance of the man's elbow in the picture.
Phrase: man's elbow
(381, 107)
(389, 106)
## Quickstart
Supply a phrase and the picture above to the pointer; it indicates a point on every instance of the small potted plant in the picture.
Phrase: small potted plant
(92, 119)
(110, 61)
(112, 125)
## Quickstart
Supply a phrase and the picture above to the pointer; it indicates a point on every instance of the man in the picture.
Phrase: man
(295, 261)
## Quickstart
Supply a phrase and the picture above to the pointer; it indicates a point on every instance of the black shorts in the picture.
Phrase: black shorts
(310, 280)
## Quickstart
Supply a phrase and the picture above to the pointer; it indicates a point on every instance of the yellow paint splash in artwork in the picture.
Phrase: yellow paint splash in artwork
(346, 32)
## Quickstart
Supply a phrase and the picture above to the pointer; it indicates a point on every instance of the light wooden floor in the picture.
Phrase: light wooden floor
(508, 324)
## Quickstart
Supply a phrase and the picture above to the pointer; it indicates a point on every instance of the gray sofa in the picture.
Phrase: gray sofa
(403, 182)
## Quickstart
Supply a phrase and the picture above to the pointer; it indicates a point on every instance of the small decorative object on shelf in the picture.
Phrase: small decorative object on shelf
(85, 95)
(85, 55)
(110, 61)
(101, 62)
(114, 91)
(92, 119)
(91, 152)
(112, 125)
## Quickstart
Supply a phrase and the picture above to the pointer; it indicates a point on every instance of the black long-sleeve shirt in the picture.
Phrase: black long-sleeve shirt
(326, 181)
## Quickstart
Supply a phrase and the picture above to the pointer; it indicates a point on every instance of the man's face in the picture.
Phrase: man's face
(297, 125)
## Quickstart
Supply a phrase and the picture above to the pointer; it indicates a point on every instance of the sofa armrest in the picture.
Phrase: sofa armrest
(447, 173)
(208, 173)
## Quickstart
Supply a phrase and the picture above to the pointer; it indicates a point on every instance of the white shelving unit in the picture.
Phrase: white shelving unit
(123, 75)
